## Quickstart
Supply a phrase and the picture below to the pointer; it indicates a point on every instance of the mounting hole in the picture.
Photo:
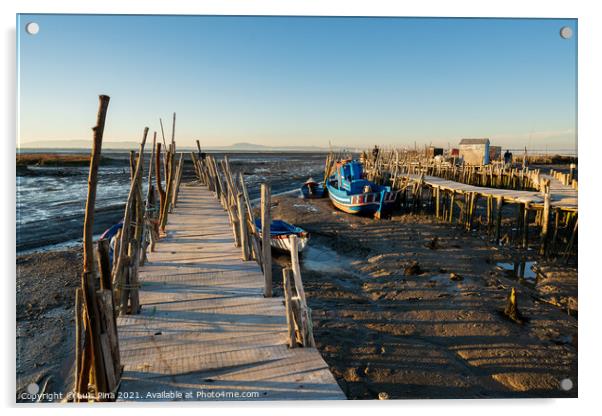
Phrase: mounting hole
(32, 28)
(566, 32)
(566, 384)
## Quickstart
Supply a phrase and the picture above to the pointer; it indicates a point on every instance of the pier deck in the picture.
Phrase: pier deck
(562, 196)
(205, 328)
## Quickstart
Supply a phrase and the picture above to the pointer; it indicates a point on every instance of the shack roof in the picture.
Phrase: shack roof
(474, 141)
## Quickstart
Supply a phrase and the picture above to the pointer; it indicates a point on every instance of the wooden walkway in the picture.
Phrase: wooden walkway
(205, 331)
(562, 196)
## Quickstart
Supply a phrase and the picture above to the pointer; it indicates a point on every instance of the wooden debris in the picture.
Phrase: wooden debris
(511, 310)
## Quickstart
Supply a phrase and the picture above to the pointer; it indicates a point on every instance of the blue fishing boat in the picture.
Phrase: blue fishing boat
(313, 189)
(280, 231)
(351, 193)
(111, 234)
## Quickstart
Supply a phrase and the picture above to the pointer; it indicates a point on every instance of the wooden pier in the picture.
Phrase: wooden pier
(205, 331)
(561, 196)
(545, 205)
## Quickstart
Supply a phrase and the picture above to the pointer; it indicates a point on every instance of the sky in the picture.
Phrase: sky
(300, 81)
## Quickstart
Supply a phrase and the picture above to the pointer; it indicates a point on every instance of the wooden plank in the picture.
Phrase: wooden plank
(205, 326)
(562, 196)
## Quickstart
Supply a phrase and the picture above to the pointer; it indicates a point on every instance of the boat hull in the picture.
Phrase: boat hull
(280, 232)
(372, 203)
(283, 244)
(311, 190)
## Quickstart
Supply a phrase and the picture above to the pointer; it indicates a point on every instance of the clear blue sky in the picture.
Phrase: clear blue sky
(301, 80)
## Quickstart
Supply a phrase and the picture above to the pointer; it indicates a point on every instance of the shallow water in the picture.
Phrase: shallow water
(51, 200)
(444, 282)
(523, 270)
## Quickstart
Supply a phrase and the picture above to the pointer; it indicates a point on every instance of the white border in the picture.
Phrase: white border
(589, 153)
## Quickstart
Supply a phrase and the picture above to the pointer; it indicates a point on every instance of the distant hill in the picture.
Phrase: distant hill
(131, 145)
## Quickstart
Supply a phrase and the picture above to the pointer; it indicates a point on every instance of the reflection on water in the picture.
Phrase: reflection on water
(522, 270)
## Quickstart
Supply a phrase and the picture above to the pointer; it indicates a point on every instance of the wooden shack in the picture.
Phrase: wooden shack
(495, 153)
(475, 151)
(432, 151)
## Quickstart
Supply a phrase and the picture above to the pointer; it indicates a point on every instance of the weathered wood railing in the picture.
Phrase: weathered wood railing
(234, 197)
(97, 365)
(110, 290)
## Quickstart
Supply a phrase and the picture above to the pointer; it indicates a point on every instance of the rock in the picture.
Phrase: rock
(412, 269)
(455, 277)
(433, 244)
(351, 375)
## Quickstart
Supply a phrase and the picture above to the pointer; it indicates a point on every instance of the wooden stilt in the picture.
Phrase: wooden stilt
(288, 296)
(265, 238)
(498, 220)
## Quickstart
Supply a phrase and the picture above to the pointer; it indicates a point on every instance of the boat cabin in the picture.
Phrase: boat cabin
(349, 178)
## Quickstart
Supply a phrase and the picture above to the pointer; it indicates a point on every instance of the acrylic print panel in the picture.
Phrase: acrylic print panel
(284, 208)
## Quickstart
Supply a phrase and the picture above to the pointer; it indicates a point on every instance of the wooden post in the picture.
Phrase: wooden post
(257, 254)
(499, 205)
(306, 322)
(265, 238)
(288, 296)
(451, 205)
(294, 247)
(165, 146)
(78, 334)
(571, 243)
(242, 222)
(104, 265)
(169, 185)
(545, 219)
(173, 133)
(159, 185)
(525, 242)
(177, 180)
(150, 168)
(118, 274)
(245, 193)
(195, 164)
(489, 214)
(437, 201)
(95, 360)
(149, 232)
(109, 339)
(474, 199)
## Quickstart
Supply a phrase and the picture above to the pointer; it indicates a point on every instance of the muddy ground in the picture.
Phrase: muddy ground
(46, 284)
(388, 318)
(412, 308)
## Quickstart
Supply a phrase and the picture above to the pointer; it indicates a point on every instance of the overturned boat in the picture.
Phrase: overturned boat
(351, 193)
(280, 231)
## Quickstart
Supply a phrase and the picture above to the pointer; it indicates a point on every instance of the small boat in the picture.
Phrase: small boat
(313, 189)
(280, 232)
(110, 234)
(351, 193)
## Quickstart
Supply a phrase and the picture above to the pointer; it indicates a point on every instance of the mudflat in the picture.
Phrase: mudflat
(413, 308)
(408, 306)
